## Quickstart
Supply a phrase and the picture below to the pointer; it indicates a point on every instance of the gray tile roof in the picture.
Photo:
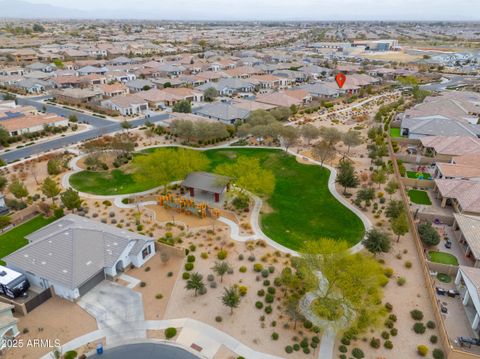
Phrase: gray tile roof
(206, 182)
(72, 249)
(439, 126)
(222, 111)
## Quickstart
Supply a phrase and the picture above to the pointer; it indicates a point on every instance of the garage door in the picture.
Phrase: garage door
(92, 282)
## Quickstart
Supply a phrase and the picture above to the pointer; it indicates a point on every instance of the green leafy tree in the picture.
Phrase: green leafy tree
(428, 234)
(4, 136)
(231, 298)
(400, 225)
(366, 194)
(394, 209)
(195, 283)
(38, 28)
(331, 135)
(247, 173)
(309, 132)
(323, 151)
(73, 118)
(349, 280)
(377, 241)
(5, 221)
(126, 125)
(379, 176)
(182, 106)
(54, 167)
(346, 176)
(162, 167)
(18, 189)
(71, 199)
(391, 187)
(50, 188)
(351, 139)
(289, 135)
(210, 94)
(221, 268)
(3, 182)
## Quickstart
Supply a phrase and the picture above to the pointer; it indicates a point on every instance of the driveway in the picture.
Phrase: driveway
(115, 306)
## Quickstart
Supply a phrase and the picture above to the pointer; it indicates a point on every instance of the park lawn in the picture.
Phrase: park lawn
(443, 257)
(300, 208)
(15, 238)
(107, 183)
(395, 132)
(413, 174)
(419, 197)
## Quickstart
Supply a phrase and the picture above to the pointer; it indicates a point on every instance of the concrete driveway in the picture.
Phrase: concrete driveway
(115, 306)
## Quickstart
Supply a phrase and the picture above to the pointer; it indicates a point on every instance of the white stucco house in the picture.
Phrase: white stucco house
(74, 254)
(468, 283)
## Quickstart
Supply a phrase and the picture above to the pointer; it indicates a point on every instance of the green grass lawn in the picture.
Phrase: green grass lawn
(395, 132)
(443, 257)
(413, 174)
(15, 238)
(419, 197)
(302, 207)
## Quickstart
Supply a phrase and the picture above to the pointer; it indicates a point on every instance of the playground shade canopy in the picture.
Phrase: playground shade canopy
(207, 182)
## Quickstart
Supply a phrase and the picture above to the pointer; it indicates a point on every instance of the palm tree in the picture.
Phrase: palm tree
(221, 268)
(195, 282)
(231, 298)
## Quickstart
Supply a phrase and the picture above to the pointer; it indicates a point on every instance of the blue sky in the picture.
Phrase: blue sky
(286, 9)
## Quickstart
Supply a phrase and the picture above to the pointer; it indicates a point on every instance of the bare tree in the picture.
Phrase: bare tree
(323, 151)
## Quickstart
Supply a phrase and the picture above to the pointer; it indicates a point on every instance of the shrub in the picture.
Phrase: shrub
(170, 332)
(388, 307)
(191, 258)
(389, 324)
(242, 269)
(258, 267)
(388, 344)
(274, 336)
(186, 275)
(392, 317)
(388, 272)
(385, 335)
(438, 354)
(188, 266)
(433, 339)
(401, 281)
(422, 350)
(393, 332)
(358, 353)
(375, 343)
(289, 349)
(268, 309)
(259, 305)
(342, 349)
(242, 290)
(265, 273)
(431, 324)
(419, 328)
(218, 319)
(345, 341)
(296, 347)
(307, 324)
(306, 350)
(159, 296)
(261, 293)
(143, 284)
(222, 254)
(271, 290)
(269, 298)
(416, 314)
(408, 264)
(266, 283)
(71, 354)
(170, 274)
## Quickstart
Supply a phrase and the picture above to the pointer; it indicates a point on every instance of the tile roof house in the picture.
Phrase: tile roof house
(224, 112)
(445, 148)
(229, 86)
(467, 230)
(18, 124)
(73, 254)
(127, 105)
(462, 195)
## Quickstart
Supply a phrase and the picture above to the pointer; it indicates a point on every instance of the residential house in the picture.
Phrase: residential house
(221, 111)
(115, 89)
(467, 231)
(462, 195)
(140, 85)
(74, 254)
(77, 96)
(127, 105)
(445, 148)
(25, 55)
(461, 167)
(229, 86)
(18, 123)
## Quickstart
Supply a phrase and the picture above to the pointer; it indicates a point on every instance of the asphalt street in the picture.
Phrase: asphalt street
(100, 126)
(143, 351)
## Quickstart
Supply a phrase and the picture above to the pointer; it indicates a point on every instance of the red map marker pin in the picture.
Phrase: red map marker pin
(340, 78)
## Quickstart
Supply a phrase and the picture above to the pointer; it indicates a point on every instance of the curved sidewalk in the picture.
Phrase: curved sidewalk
(197, 331)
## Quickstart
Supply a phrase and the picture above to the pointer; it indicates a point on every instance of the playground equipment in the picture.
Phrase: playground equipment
(187, 206)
